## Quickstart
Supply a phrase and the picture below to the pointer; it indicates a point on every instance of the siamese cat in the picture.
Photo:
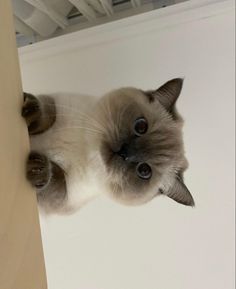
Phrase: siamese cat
(127, 144)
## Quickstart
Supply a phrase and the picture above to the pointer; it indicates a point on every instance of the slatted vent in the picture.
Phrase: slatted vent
(36, 20)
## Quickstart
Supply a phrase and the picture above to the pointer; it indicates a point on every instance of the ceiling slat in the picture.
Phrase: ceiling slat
(47, 9)
(85, 9)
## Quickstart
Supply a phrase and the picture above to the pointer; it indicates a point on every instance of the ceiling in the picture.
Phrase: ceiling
(36, 20)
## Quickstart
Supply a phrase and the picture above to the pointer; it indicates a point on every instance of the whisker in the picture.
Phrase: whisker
(80, 113)
(77, 127)
(63, 106)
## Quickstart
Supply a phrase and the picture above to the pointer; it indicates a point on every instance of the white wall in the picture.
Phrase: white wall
(162, 244)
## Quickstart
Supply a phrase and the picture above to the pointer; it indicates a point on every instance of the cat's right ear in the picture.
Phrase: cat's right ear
(168, 93)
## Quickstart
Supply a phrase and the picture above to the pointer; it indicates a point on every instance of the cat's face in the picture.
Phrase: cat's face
(141, 145)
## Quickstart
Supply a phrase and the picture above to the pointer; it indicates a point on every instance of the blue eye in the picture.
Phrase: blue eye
(144, 171)
(140, 126)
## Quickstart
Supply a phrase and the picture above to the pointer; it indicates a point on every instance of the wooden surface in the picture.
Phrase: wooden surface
(21, 254)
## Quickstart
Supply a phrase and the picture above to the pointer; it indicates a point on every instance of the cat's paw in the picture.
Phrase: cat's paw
(31, 111)
(38, 170)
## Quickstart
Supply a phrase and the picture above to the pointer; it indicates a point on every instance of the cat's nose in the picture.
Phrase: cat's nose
(123, 152)
(127, 152)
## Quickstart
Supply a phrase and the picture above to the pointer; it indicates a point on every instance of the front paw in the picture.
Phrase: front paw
(31, 111)
(38, 170)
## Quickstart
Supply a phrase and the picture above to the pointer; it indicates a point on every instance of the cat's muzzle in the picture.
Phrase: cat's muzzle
(127, 152)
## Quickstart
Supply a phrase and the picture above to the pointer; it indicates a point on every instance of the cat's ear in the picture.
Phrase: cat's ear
(169, 92)
(180, 193)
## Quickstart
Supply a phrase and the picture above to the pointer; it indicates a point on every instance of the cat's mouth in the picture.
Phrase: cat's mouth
(112, 154)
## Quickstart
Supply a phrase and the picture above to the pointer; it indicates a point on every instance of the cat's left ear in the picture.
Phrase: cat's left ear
(169, 92)
(180, 193)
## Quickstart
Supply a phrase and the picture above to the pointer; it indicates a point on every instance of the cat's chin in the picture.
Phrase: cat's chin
(131, 201)
(128, 197)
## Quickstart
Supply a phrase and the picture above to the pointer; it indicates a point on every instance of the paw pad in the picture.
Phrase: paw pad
(38, 170)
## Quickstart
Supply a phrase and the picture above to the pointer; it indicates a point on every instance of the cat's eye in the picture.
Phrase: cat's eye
(140, 126)
(144, 171)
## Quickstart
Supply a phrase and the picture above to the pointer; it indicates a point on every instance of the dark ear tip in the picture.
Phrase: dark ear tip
(176, 84)
(191, 203)
(179, 81)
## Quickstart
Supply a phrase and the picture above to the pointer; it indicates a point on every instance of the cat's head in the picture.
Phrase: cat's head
(142, 144)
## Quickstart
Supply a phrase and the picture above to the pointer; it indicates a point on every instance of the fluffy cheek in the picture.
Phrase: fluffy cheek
(133, 195)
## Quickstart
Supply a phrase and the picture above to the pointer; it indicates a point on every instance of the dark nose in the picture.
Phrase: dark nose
(126, 152)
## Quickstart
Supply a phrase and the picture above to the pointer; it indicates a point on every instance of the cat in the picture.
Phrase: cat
(127, 144)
